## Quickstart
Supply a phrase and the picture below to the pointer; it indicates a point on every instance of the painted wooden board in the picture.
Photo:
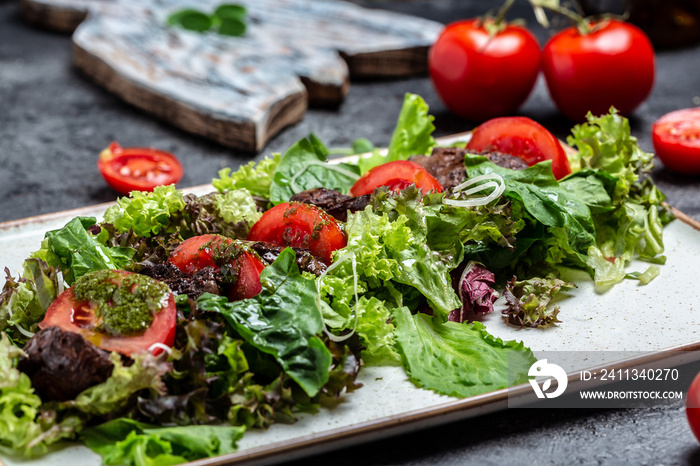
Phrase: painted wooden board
(238, 91)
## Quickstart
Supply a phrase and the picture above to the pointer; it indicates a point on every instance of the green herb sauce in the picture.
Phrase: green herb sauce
(125, 304)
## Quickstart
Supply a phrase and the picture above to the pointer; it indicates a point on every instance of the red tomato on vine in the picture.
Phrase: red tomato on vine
(484, 68)
(597, 65)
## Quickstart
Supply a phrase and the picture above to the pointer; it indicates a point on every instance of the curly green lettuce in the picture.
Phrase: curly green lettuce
(123, 441)
(413, 134)
(146, 213)
(23, 302)
(256, 178)
(26, 429)
(633, 225)
(458, 359)
(527, 301)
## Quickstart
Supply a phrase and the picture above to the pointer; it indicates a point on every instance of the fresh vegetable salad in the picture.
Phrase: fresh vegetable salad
(164, 331)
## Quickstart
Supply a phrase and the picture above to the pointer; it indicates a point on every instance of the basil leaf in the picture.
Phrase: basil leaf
(192, 20)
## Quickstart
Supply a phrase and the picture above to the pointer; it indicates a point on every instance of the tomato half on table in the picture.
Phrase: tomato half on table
(397, 175)
(610, 64)
(217, 251)
(301, 226)
(78, 316)
(481, 74)
(692, 406)
(523, 138)
(676, 139)
(138, 169)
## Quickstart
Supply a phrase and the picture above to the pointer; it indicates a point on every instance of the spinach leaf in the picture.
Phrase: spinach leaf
(305, 166)
(75, 251)
(283, 321)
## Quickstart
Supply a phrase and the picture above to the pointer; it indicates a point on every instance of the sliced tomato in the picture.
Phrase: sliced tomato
(676, 139)
(248, 267)
(244, 266)
(301, 226)
(397, 175)
(195, 253)
(521, 137)
(79, 317)
(137, 168)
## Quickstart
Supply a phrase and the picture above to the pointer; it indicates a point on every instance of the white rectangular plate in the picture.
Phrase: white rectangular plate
(660, 316)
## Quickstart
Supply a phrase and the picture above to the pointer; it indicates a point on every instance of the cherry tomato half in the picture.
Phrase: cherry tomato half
(676, 139)
(613, 65)
(524, 138)
(138, 169)
(79, 317)
(480, 76)
(217, 251)
(397, 175)
(692, 406)
(301, 226)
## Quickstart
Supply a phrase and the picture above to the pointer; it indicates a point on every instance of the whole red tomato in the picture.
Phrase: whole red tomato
(610, 65)
(480, 74)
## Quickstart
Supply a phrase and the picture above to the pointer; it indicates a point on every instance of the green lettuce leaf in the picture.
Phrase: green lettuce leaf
(123, 441)
(458, 359)
(23, 302)
(237, 206)
(146, 213)
(26, 429)
(256, 178)
(527, 301)
(114, 394)
(283, 321)
(305, 166)
(412, 134)
(568, 224)
(76, 251)
(394, 247)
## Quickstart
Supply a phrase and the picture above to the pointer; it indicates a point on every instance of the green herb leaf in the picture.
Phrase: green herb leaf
(190, 19)
(231, 26)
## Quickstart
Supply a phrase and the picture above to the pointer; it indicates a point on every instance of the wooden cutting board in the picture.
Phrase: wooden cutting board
(238, 91)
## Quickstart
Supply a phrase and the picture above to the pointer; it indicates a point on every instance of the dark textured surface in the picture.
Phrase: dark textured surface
(53, 124)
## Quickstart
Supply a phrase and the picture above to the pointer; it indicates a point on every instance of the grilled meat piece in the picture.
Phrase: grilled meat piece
(62, 364)
(506, 160)
(446, 164)
(333, 202)
(305, 260)
(207, 280)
